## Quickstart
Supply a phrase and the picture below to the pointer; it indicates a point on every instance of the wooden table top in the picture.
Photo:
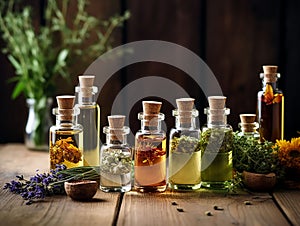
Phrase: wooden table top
(132, 208)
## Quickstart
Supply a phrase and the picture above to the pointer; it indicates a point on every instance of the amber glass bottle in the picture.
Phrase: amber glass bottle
(270, 106)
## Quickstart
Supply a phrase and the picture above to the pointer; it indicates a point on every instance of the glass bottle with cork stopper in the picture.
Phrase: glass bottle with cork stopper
(216, 145)
(66, 137)
(150, 150)
(248, 126)
(270, 106)
(89, 118)
(115, 157)
(184, 151)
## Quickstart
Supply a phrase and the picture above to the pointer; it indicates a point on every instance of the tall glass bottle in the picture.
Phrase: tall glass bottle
(248, 126)
(115, 157)
(184, 151)
(89, 118)
(270, 106)
(150, 150)
(216, 145)
(65, 142)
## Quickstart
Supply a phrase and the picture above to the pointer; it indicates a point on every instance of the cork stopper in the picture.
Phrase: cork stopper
(65, 106)
(86, 83)
(185, 104)
(151, 107)
(247, 118)
(116, 121)
(248, 123)
(217, 102)
(270, 73)
(185, 107)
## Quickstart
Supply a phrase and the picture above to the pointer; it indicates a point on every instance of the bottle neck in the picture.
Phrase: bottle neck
(86, 96)
(116, 139)
(151, 122)
(116, 135)
(66, 117)
(216, 117)
(185, 122)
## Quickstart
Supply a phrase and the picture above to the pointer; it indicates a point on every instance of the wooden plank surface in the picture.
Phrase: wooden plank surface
(55, 210)
(157, 209)
(289, 202)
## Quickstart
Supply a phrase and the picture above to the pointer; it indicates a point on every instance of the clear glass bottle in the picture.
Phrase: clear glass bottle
(270, 106)
(150, 150)
(248, 126)
(66, 137)
(89, 118)
(115, 157)
(216, 146)
(184, 150)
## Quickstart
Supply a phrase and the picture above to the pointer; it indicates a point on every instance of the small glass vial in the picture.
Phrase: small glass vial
(216, 145)
(184, 150)
(248, 126)
(270, 106)
(150, 150)
(65, 142)
(89, 118)
(115, 157)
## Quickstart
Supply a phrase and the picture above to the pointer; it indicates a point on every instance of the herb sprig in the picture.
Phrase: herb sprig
(46, 184)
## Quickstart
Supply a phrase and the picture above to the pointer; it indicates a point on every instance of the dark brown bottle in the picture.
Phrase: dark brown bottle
(270, 106)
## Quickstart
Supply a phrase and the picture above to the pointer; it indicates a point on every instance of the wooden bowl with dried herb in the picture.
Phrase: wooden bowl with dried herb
(258, 161)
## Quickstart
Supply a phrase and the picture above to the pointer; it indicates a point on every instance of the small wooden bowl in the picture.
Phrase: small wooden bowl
(259, 182)
(81, 190)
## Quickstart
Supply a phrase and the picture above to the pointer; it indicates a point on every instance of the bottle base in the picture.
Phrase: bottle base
(115, 189)
(214, 185)
(150, 189)
(184, 187)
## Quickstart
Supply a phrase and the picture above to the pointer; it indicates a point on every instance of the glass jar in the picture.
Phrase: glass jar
(66, 140)
(184, 152)
(248, 126)
(216, 146)
(270, 106)
(150, 154)
(89, 118)
(115, 161)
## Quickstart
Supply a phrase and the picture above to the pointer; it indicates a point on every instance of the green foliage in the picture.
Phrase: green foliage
(41, 55)
(252, 156)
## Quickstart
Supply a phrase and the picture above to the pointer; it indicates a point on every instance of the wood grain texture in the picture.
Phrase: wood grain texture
(55, 210)
(289, 202)
(157, 209)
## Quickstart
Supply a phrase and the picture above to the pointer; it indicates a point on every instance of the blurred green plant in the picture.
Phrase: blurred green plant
(41, 54)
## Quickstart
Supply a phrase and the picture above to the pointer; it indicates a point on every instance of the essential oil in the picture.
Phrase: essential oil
(115, 157)
(216, 145)
(150, 150)
(270, 106)
(65, 139)
(89, 118)
(184, 151)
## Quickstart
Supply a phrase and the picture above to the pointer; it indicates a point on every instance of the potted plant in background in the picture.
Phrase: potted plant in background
(258, 162)
(41, 55)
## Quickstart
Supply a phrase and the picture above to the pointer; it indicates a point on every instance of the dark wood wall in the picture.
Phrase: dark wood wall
(234, 37)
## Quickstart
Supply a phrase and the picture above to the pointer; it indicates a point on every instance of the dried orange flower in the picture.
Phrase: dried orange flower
(289, 152)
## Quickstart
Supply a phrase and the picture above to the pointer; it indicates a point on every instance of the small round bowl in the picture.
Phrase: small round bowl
(81, 190)
(259, 182)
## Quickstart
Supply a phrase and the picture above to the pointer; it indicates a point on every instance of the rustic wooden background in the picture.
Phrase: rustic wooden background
(235, 38)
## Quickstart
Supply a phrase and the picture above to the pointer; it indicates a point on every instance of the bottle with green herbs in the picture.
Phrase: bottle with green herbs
(184, 151)
(248, 126)
(115, 157)
(216, 145)
(89, 118)
(150, 150)
(270, 106)
(66, 137)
